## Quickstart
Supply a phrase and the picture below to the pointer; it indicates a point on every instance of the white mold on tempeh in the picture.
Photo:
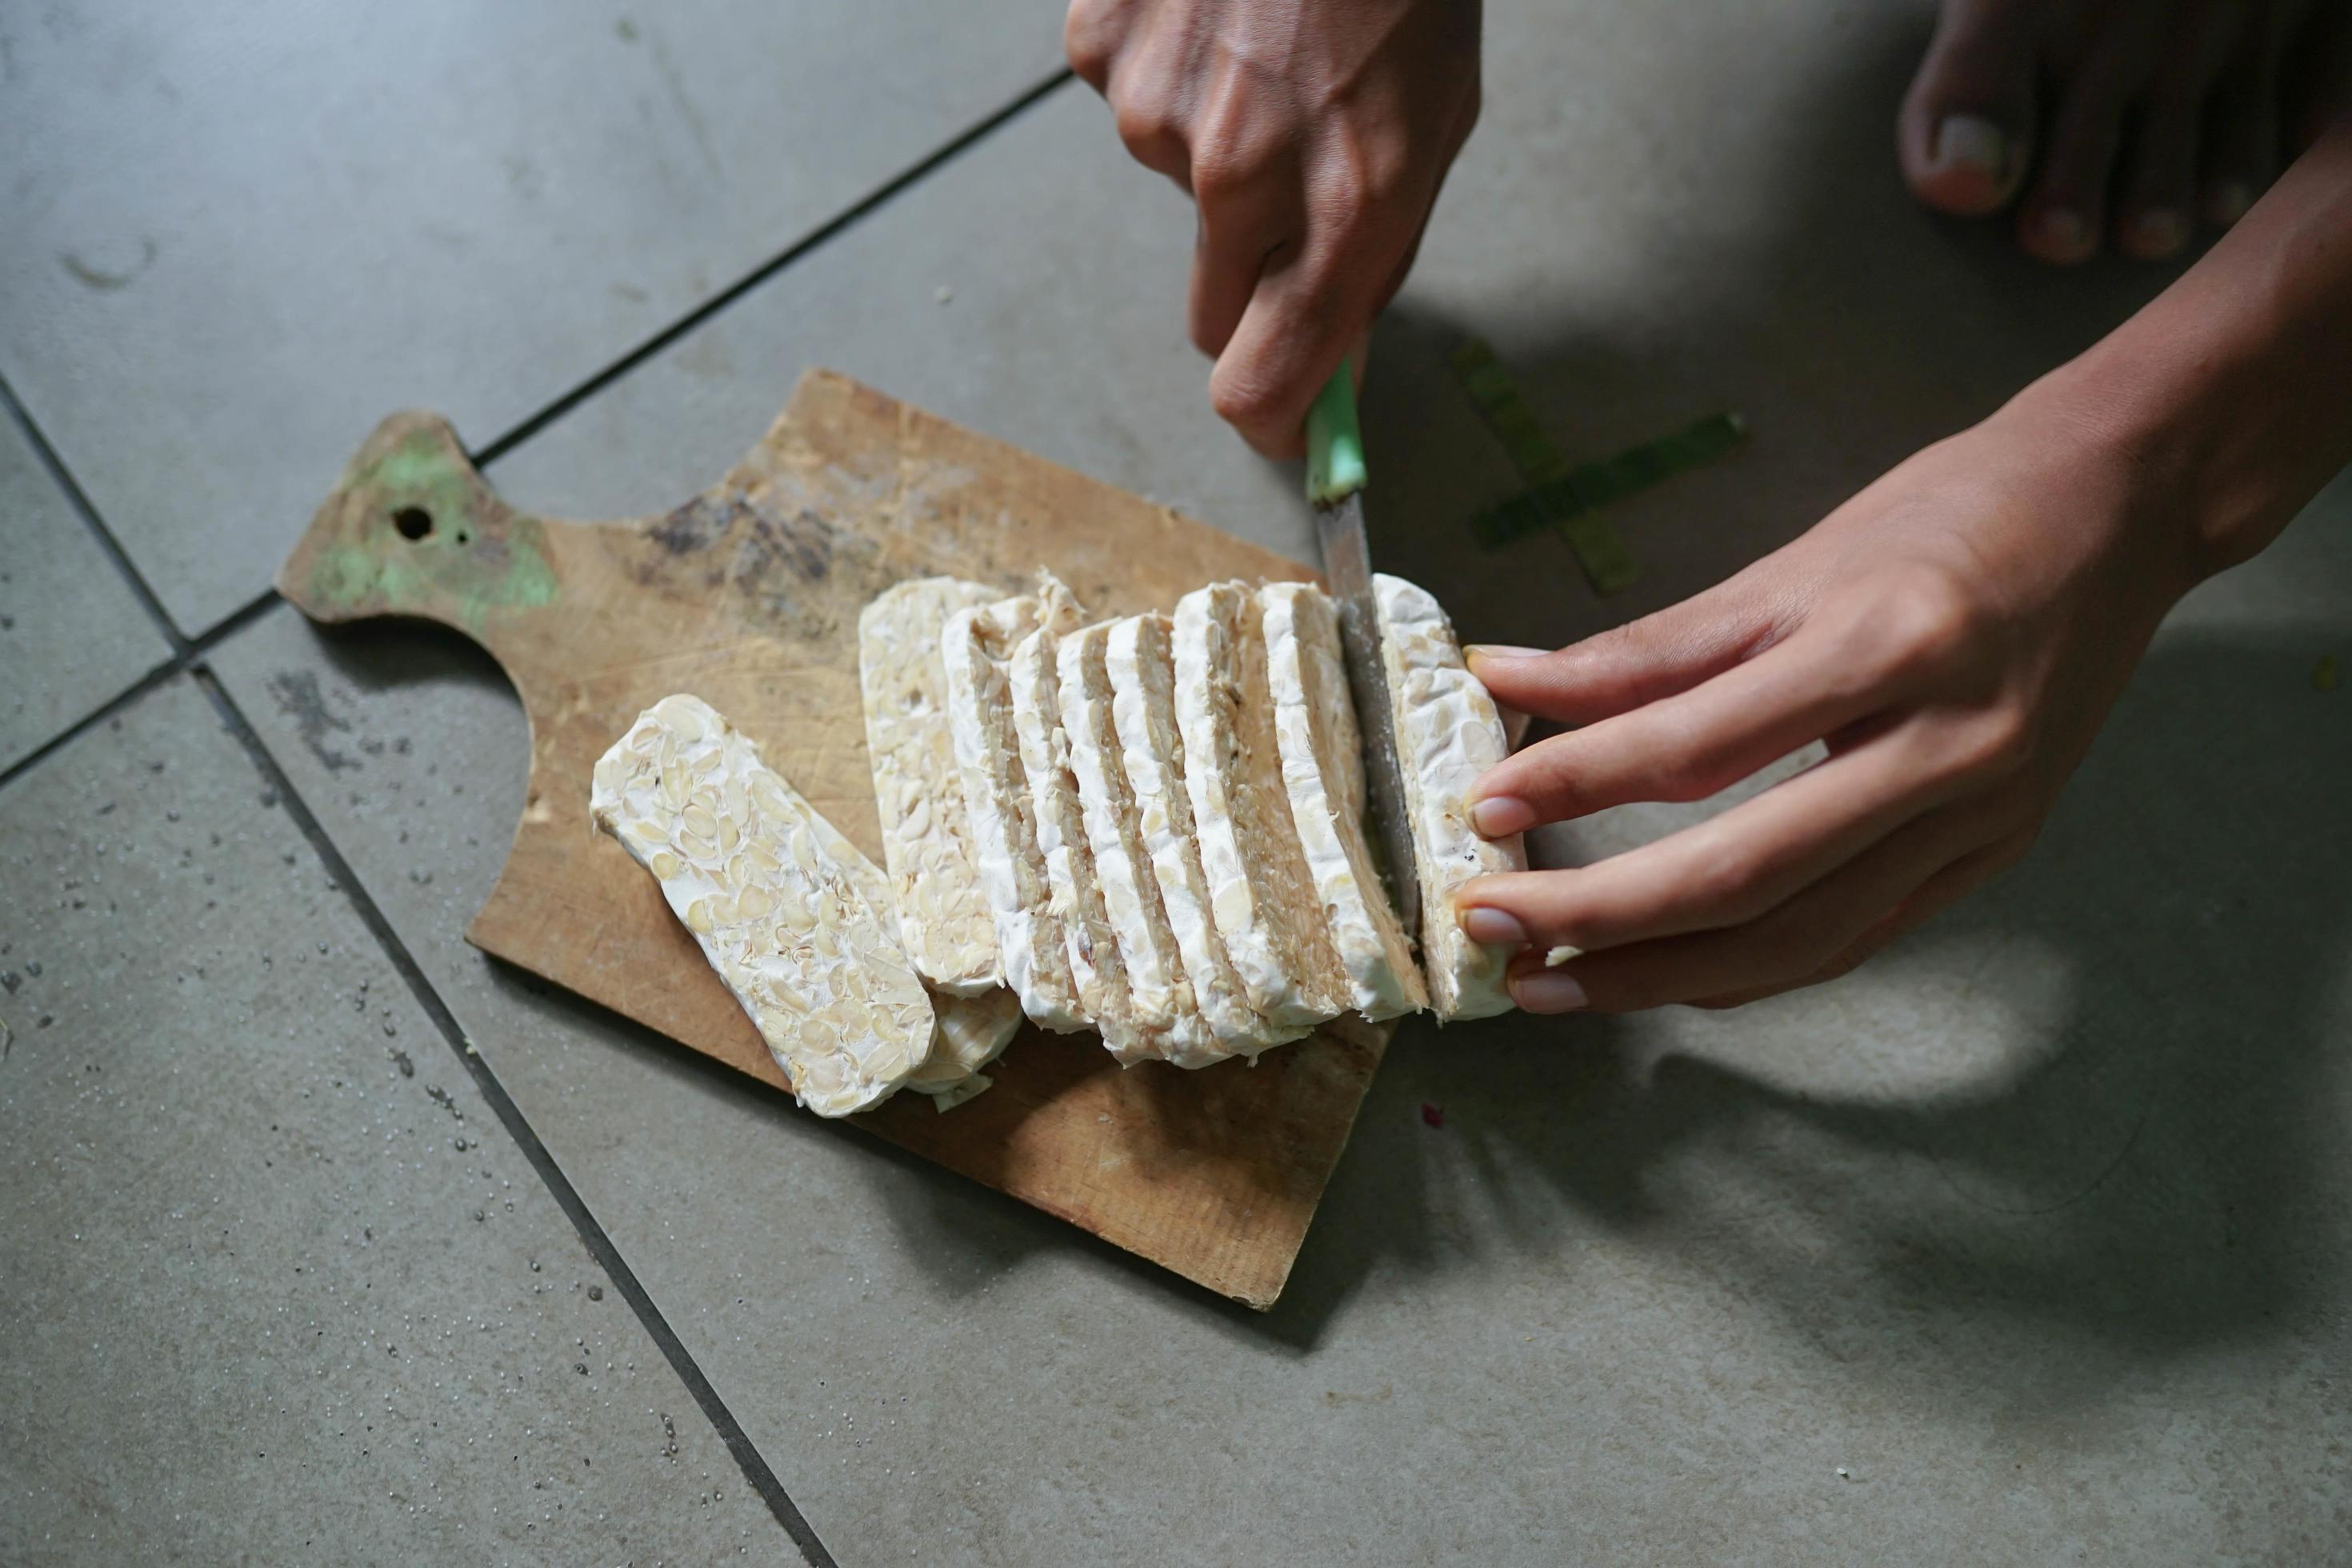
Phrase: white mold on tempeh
(944, 918)
(976, 646)
(1162, 1019)
(1142, 677)
(1448, 733)
(1323, 774)
(1262, 895)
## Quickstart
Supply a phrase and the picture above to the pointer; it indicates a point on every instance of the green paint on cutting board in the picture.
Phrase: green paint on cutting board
(458, 568)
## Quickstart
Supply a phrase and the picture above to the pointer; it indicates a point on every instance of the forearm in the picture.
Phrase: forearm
(2230, 394)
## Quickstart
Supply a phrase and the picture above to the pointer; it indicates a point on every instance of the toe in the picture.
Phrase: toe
(2160, 168)
(1965, 130)
(2239, 134)
(2239, 155)
(2061, 217)
(2065, 211)
(2159, 178)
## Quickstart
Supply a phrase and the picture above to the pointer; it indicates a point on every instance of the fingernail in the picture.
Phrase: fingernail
(1493, 926)
(2226, 201)
(1972, 143)
(1476, 651)
(2064, 234)
(1547, 991)
(2157, 232)
(1499, 816)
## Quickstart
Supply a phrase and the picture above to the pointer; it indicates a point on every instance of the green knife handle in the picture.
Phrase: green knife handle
(1335, 442)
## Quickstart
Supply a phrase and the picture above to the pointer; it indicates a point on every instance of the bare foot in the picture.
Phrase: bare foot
(2123, 118)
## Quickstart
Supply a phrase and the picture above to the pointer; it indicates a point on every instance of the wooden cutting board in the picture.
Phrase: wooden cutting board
(748, 597)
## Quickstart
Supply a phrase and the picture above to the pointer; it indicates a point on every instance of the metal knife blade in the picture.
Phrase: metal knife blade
(1347, 568)
(1335, 480)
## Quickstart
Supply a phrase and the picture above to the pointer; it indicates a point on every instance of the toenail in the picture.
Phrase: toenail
(2065, 233)
(2227, 200)
(2156, 233)
(1493, 928)
(1972, 143)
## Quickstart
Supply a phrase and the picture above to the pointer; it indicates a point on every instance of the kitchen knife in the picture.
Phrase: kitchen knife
(1335, 484)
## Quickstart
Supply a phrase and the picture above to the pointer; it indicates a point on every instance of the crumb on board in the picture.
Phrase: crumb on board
(1434, 1115)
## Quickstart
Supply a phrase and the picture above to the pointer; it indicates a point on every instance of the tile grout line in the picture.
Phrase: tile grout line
(191, 655)
(830, 228)
(62, 476)
(186, 650)
(188, 656)
(600, 1246)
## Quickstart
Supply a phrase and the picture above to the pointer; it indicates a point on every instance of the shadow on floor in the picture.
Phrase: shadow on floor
(2135, 1142)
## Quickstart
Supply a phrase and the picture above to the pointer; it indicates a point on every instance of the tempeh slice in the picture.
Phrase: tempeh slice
(1143, 679)
(1448, 732)
(944, 918)
(1323, 774)
(1163, 1020)
(1096, 967)
(1262, 896)
(972, 1032)
(977, 646)
(757, 875)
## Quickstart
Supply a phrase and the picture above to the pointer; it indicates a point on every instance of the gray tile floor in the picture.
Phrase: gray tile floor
(2029, 1242)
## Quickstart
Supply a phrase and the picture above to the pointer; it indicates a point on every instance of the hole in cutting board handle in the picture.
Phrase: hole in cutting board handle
(413, 523)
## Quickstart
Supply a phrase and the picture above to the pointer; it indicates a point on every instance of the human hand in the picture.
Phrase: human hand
(1955, 633)
(1313, 134)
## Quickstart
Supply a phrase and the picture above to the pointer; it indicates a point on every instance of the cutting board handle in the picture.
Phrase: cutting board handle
(412, 529)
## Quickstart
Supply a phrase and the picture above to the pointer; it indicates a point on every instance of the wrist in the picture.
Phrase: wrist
(2225, 394)
(2208, 470)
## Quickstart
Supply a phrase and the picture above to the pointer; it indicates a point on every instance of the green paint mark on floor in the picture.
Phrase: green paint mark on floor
(1569, 497)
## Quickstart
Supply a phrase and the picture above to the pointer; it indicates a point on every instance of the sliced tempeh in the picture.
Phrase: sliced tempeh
(1261, 893)
(1448, 732)
(1076, 897)
(1143, 681)
(972, 1032)
(977, 645)
(1323, 771)
(1163, 1020)
(757, 875)
(943, 917)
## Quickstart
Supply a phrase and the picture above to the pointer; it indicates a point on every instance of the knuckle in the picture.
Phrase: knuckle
(1248, 399)
(1147, 124)
(1999, 745)
(1223, 168)
(1926, 621)
(1383, 179)
(1728, 883)
(1686, 775)
(1090, 40)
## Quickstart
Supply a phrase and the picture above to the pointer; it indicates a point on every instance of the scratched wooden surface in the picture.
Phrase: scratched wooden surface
(748, 597)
